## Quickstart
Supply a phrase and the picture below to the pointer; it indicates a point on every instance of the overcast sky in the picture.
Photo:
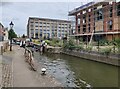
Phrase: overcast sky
(19, 11)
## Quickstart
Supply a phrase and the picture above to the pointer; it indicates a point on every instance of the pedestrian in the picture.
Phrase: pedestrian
(41, 49)
(21, 43)
(32, 49)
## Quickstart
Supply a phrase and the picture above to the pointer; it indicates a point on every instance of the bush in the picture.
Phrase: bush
(54, 42)
(89, 48)
(80, 47)
(47, 41)
(106, 51)
(117, 44)
(69, 45)
(103, 42)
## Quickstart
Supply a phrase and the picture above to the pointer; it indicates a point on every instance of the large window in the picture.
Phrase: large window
(84, 18)
(89, 28)
(78, 20)
(99, 15)
(110, 11)
(78, 29)
(118, 10)
(84, 28)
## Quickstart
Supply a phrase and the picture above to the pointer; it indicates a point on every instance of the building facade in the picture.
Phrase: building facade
(5, 37)
(97, 20)
(1, 32)
(47, 28)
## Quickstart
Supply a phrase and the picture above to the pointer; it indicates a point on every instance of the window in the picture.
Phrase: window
(110, 24)
(118, 10)
(32, 30)
(59, 35)
(31, 22)
(40, 22)
(36, 35)
(89, 10)
(84, 12)
(84, 19)
(78, 29)
(40, 34)
(84, 28)
(110, 11)
(89, 18)
(78, 20)
(32, 35)
(36, 30)
(99, 15)
(31, 25)
(89, 28)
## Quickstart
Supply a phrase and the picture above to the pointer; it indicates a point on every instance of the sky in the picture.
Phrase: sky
(18, 11)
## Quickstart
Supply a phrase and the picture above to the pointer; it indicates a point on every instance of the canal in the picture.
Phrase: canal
(73, 71)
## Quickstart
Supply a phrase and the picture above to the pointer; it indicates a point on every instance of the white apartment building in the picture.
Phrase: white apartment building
(47, 28)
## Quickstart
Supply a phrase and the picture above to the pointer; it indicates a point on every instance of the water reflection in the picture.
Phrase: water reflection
(72, 71)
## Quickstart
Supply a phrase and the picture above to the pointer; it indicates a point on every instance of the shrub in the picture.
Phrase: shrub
(117, 44)
(69, 45)
(47, 41)
(106, 51)
(54, 42)
(103, 42)
(80, 47)
(89, 48)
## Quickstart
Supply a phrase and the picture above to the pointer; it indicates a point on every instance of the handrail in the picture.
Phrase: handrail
(29, 58)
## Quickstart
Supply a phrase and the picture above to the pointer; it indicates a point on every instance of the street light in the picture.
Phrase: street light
(11, 26)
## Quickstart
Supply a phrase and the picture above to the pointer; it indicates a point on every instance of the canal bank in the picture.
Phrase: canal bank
(75, 71)
(112, 59)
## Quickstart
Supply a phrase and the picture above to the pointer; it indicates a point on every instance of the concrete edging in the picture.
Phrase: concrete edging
(98, 58)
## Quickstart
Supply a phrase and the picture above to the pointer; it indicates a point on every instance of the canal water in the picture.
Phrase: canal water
(73, 71)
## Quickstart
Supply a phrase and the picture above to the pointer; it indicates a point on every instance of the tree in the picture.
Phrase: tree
(23, 36)
(12, 34)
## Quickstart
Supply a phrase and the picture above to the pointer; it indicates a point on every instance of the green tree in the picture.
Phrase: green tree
(23, 36)
(12, 34)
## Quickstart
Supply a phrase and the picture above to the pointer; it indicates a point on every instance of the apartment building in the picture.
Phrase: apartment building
(47, 28)
(97, 20)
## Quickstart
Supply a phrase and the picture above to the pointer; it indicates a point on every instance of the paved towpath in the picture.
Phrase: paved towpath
(23, 76)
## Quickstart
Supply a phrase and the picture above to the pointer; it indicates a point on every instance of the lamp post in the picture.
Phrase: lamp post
(11, 26)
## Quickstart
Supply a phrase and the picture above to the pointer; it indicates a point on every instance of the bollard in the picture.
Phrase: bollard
(1, 50)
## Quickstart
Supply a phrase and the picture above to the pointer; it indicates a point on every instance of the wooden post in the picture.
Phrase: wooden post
(1, 50)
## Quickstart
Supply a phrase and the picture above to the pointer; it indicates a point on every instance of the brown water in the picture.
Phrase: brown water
(72, 71)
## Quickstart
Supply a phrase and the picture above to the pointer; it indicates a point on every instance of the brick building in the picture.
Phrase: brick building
(47, 28)
(99, 20)
(1, 32)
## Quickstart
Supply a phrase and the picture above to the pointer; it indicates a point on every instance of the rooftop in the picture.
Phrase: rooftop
(88, 5)
(48, 19)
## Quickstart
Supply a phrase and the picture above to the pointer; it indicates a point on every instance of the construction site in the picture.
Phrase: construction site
(97, 21)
